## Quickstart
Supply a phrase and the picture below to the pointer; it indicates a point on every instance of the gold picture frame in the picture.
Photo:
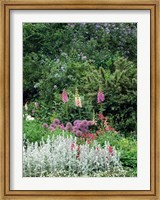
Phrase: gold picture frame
(6, 6)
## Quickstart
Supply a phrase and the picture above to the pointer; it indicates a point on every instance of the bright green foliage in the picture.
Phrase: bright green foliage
(34, 132)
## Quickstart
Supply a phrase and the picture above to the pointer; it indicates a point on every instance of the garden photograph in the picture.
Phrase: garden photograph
(79, 100)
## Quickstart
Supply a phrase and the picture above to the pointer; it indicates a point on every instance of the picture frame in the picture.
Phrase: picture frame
(5, 99)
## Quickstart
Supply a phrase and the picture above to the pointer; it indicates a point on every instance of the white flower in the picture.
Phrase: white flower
(36, 85)
(26, 106)
(29, 118)
(78, 102)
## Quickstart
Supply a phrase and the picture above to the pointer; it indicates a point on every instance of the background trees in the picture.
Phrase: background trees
(88, 56)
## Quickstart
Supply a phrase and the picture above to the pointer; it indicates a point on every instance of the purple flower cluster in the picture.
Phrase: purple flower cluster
(69, 127)
(55, 124)
(79, 127)
(45, 125)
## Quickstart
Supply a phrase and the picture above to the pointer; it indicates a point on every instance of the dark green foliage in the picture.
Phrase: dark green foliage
(88, 56)
(98, 42)
(42, 114)
(122, 97)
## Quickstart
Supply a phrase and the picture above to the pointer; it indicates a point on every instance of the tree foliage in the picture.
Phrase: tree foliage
(88, 56)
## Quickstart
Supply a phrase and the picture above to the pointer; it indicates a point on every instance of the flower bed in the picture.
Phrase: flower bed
(62, 156)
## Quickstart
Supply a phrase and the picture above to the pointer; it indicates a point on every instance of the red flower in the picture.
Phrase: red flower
(83, 135)
(78, 149)
(101, 117)
(90, 136)
(109, 128)
(88, 141)
(98, 132)
(78, 156)
(72, 146)
(110, 149)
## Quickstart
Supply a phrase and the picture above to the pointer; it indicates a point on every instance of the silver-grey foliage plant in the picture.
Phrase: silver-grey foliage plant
(62, 156)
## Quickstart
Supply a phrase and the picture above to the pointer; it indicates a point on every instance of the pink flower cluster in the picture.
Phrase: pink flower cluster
(64, 96)
(78, 103)
(100, 97)
(90, 136)
(78, 149)
(106, 125)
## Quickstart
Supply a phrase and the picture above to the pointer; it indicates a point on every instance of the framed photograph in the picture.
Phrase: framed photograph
(79, 99)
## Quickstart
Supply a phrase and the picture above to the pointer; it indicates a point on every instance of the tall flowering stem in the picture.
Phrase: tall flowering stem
(64, 96)
(78, 102)
(100, 99)
(101, 109)
(93, 118)
(65, 100)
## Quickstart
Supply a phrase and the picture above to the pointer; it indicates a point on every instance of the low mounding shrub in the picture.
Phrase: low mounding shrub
(33, 131)
(62, 156)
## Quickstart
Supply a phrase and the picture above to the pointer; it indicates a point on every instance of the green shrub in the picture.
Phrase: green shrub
(121, 105)
(43, 113)
(34, 132)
